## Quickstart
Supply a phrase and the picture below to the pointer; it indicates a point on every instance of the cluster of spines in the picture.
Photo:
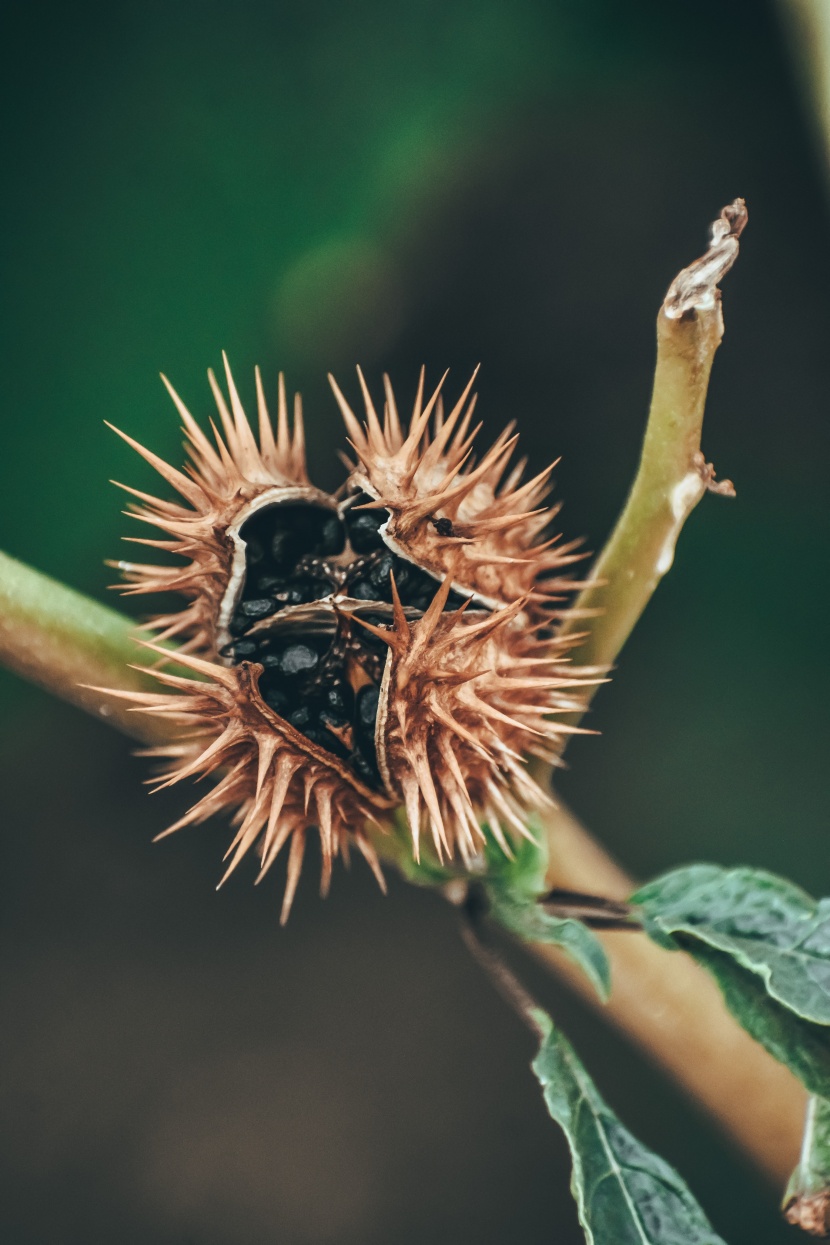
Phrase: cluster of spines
(274, 781)
(217, 481)
(468, 699)
(494, 526)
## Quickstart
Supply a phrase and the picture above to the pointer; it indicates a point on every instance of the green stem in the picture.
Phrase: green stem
(673, 474)
(70, 645)
(670, 482)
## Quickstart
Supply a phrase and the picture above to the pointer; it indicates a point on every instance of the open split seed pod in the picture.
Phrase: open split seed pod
(390, 645)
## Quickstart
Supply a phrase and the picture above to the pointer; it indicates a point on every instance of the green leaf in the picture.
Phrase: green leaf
(767, 925)
(804, 1047)
(523, 916)
(625, 1193)
(807, 1200)
(513, 886)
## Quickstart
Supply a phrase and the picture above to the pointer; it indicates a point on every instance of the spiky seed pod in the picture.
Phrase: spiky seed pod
(389, 645)
(447, 513)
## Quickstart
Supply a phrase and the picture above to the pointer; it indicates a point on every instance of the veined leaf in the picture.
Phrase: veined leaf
(513, 886)
(625, 1193)
(804, 1047)
(807, 1200)
(766, 924)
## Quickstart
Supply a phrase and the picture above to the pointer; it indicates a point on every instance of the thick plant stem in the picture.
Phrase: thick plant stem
(663, 1001)
(671, 480)
(69, 645)
(672, 1010)
(673, 475)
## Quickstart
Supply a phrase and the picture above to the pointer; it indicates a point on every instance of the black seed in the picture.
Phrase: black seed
(269, 583)
(362, 768)
(314, 589)
(244, 649)
(276, 699)
(363, 530)
(363, 590)
(281, 548)
(367, 705)
(300, 718)
(238, 624)
(253, 552)
(298, 659)
(381, 571)
(260, 607)
(404, 572)
(331, 537)
(336, 700)
(270, 661)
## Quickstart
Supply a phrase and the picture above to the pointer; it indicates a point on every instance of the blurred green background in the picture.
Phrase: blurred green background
(311, 186)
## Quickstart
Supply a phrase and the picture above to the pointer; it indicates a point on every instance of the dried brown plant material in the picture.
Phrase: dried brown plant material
(446, 514)
(390, 645)
(695, 288)
(810, 1212)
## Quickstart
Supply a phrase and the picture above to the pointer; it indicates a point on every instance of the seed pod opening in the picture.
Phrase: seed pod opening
(390, 645)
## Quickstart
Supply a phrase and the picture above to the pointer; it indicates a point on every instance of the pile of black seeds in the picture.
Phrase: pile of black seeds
(369, 579)
(321, 669)
(288, 552)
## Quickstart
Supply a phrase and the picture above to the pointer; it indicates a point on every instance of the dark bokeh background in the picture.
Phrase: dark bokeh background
(310, 186)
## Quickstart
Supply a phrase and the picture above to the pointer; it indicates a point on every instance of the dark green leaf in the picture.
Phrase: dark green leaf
(802, 1046)
(513, 886)
(768, 925)
(625, 1194)
(807, 1200)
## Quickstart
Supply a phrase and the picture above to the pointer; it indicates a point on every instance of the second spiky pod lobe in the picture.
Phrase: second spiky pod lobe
(389, 645)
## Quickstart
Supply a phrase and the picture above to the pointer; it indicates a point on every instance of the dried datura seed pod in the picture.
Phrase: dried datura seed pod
(391, 645)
